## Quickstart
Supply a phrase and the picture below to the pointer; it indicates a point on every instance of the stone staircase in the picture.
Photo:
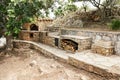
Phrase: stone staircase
(108, 67)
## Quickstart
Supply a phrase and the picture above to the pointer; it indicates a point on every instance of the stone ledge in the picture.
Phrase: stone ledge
(75, 37)
(102, 65)
(44, 49)
(113, 32)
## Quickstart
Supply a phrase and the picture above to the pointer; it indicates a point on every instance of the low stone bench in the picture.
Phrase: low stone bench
(103, 47)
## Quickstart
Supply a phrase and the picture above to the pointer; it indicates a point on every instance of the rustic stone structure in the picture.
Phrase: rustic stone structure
(42, 36)
(114, 37)
(103, 47)
(30, 26)
(78, 43)
(52, 41)
(34, 31)
(73, 39)
(43, 23)
(29, 35)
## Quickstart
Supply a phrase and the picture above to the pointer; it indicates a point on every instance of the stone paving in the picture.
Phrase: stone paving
(101, 65)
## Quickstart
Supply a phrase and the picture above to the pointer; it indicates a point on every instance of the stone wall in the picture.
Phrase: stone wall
(29, 35)
(97, 35)
(43, 23)
(50, 40)
(52, 29)
(103, 48)
(40, 23)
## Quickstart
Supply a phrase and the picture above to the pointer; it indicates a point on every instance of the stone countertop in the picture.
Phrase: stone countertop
(54, 34)
(30, 31)
(96, 31)
(73, 36)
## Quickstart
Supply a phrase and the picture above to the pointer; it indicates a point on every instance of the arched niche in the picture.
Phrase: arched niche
(34, 27)
(68, 44)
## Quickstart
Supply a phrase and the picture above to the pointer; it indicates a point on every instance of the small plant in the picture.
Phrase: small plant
(115, 25)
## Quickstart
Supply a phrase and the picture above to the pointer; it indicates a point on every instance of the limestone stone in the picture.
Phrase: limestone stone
(119, 37)
(117, 47)
(103, 43)
(78, 22)
(103, 48)
(98, 37)
(106, 38)
(29, 35)
(114, 38)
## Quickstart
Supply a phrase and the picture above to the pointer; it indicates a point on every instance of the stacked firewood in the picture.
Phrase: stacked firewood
(69, 45)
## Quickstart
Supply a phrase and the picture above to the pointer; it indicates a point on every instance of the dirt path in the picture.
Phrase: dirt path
(30, 65)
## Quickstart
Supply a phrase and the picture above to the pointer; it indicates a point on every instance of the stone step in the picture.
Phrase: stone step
(102, 65)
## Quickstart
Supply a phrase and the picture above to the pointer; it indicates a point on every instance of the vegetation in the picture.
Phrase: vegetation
(115, 25)
(65, 8)
(3, 14)
(104, 7)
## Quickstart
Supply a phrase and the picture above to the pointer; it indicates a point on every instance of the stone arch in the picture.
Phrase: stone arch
(68, 44)
(34, 27)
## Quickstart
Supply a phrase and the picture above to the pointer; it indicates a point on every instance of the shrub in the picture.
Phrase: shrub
(115, 25)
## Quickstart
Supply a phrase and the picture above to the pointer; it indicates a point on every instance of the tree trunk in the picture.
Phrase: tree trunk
(9, 45)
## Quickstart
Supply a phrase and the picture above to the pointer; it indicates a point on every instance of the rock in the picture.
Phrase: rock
(39, 69)
(103, 43)
(33, 63)
(78, 23)
(98, 37)
(117, 47)
(2, 42)
(106, 38)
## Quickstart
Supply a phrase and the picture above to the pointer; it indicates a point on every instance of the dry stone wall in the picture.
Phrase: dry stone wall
(29, 35)
(103, 47)
(96, 36)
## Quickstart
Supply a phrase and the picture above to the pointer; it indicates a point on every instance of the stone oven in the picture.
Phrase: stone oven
(35, 31)
(33, 27)
(30, 32)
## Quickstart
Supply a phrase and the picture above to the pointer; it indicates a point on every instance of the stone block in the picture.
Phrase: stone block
(117, 48)
(103, 47)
